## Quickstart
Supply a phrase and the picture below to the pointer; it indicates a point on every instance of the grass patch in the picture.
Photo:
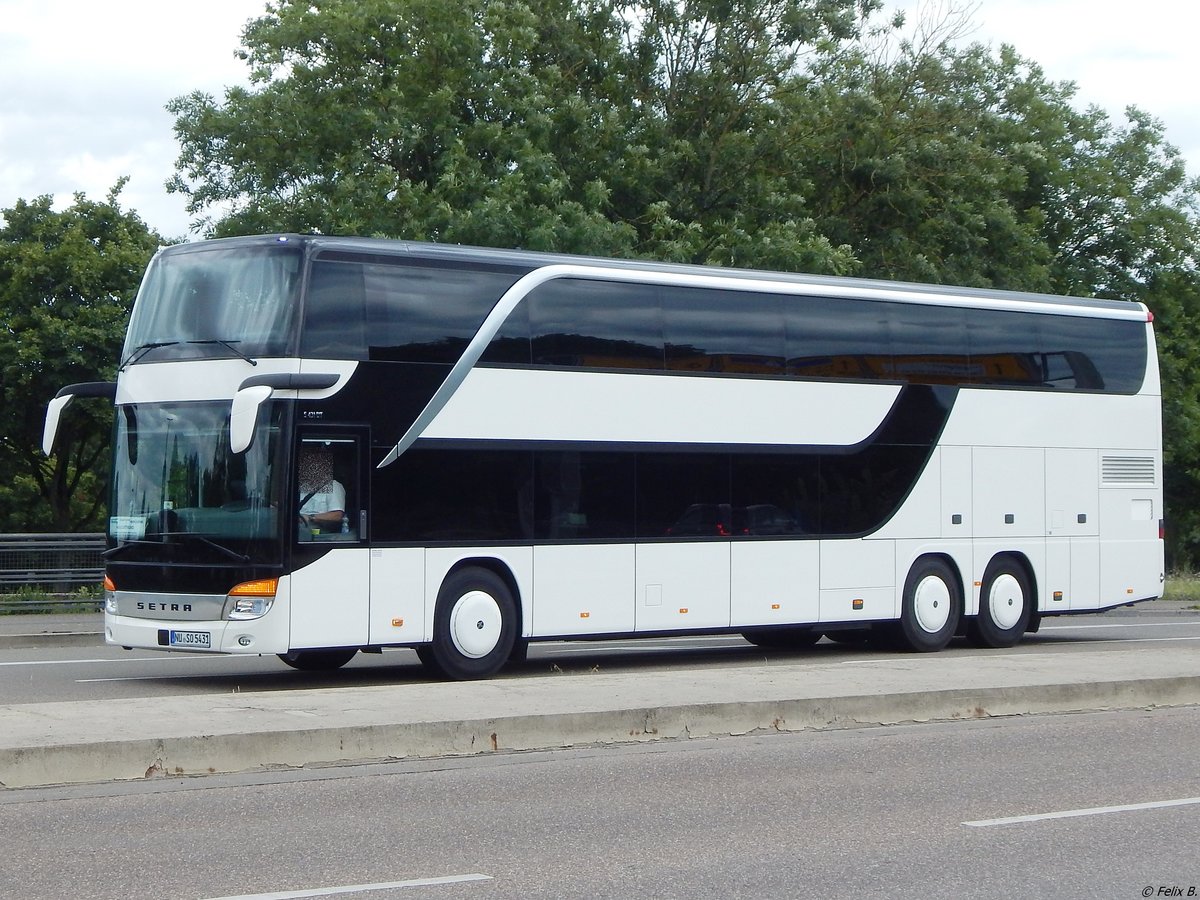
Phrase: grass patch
(25, 600)
(1183, 586)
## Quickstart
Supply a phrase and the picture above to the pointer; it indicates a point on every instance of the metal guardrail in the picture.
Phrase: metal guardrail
(50, 565)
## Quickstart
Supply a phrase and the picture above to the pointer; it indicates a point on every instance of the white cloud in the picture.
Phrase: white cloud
(85, 86)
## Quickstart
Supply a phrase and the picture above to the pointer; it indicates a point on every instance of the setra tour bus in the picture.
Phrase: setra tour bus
(330, 445)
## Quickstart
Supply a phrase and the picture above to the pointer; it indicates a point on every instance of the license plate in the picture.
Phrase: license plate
(191, 639)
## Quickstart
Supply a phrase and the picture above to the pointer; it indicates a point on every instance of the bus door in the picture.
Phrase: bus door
(331, 569)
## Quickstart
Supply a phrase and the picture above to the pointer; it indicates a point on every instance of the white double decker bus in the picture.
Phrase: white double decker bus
(507, 447)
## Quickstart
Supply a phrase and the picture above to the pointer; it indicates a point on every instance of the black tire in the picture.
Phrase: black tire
(317, 660)
(425, 655)
(474, 626)
(520, 652)
(1005, 604)
(932, 606)
(787, 638)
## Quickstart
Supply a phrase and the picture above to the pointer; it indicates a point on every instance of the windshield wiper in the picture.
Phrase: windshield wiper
(232, 554)
(228, 345)
(125, 545)
(142, 349)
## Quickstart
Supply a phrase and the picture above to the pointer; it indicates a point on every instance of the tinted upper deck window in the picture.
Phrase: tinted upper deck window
(397, 312)
(736, 332)
(831, 337)
(596, 324)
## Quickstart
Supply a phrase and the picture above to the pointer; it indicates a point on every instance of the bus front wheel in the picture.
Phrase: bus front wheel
(932, 606)
(474, 626)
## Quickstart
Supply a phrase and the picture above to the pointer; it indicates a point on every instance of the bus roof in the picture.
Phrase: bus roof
(530, 260)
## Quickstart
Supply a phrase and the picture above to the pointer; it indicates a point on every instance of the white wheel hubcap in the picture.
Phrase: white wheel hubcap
(1006, 601)
(931, 604)
(475, 624)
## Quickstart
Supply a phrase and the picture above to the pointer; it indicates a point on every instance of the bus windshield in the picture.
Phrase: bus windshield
(174, 477)
(211, 302)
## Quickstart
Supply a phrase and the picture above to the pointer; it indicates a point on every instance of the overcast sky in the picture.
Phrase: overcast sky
(83, 83)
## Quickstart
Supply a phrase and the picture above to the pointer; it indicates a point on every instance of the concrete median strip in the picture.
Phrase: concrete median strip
(77, 742)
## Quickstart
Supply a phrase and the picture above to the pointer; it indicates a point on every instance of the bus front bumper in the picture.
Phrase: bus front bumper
(266, 635)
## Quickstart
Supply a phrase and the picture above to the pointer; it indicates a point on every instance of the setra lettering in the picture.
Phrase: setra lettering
(163, 607)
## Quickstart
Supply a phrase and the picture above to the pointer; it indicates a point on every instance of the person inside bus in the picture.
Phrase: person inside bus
(322, 497)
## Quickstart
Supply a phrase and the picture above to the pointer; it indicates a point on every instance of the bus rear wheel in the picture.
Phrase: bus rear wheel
(317, 660)
(474, 626)
(1005, 605)
(932, 606)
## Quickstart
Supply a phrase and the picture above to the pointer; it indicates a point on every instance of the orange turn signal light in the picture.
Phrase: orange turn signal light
(264, 587)
(109, 586)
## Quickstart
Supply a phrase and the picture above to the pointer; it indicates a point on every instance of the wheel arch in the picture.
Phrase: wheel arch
(501, 570)
(950, 562)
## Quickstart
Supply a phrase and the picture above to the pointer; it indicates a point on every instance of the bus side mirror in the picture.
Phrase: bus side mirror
(63, 399)
(243, 418)
(53, 414)
(257, 390)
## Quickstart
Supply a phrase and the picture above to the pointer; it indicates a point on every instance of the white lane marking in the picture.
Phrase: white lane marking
(355, 888)
(124, 659)
(160, 677)
(1077, 813)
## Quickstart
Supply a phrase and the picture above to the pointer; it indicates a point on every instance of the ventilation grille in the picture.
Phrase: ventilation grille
(1127, 471)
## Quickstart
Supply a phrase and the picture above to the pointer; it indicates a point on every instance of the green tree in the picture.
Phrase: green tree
(711, 172)
(1121, 210)
(67, 281)
(1174, 298)
(606, 126)
(926, 159)
(413, 119)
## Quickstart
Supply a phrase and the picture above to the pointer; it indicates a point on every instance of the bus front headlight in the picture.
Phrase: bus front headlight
(251, 599)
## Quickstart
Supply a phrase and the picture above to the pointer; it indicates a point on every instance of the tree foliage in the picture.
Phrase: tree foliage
(607, 126)
(67, 281)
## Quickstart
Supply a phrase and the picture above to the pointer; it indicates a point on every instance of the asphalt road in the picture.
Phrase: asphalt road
(45, 674)
(1103, 805)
